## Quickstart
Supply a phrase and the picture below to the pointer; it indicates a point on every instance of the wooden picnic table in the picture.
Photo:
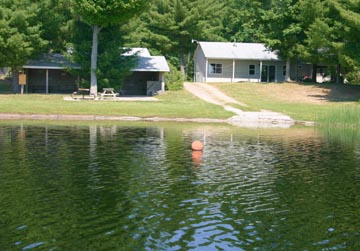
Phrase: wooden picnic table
(108, 92)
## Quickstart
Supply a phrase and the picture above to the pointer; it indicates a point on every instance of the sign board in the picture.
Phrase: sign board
(22, 79)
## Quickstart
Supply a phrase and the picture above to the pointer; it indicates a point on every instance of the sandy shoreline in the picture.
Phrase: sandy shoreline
(14, 116)
(249, 122)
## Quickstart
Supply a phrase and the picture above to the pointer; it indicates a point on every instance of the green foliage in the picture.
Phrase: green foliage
(170, 25)
(20, 32)
(242, 20)
(174, 79)
(105, 13)
(112, 68)
(341, 117)
(56, 17)
(284, 32)
(102, 14)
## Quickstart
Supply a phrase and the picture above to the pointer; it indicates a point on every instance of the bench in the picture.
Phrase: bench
(82, 92)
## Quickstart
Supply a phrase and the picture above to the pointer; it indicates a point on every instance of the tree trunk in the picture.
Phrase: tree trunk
(338, 72)
(314, 73)
(15, 79)
(94, 56)
(287, 73)
(182, 65)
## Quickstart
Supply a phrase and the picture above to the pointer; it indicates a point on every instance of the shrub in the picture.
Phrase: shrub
(174, 79)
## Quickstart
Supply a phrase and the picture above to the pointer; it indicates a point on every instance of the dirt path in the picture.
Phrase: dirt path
(213, 95)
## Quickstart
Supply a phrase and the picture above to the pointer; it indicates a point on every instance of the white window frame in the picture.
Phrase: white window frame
(215, 68)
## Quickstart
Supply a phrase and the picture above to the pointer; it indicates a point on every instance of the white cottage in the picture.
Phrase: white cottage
(148, 76)
(237, 62)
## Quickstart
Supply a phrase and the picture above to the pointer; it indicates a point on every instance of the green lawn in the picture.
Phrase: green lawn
(173, 104)
(310, 102)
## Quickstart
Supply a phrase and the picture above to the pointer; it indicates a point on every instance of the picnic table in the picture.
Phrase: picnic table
(82, 92)
(108, 92)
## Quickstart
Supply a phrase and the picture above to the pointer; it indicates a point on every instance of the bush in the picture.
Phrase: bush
(174, 79)
(353, 77)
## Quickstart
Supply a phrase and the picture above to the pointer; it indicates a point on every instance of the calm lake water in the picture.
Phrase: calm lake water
(140, 187)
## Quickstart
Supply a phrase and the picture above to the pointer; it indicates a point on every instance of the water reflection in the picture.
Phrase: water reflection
(140, 187)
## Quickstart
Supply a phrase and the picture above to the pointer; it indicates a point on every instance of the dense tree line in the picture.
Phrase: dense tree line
(320, 32)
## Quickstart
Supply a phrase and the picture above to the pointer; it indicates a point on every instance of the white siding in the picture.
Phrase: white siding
(226, 69)
(242, 71)
(200, 65)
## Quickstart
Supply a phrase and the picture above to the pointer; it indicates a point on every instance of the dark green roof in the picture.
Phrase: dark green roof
(50, 61)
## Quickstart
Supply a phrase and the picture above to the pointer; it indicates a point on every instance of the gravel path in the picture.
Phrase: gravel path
(213, 95)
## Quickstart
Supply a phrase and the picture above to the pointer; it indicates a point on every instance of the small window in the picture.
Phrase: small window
(284, 70)
(215, 69)
(251, 69)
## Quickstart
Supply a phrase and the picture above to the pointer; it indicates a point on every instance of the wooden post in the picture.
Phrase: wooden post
(206, 70)
(47, 81)
(233, 71)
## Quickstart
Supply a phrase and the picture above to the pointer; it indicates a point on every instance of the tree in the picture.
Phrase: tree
(111, 68)
(347, 44)
(170, 25)
(243, 20)
(56, 17)
(101, 14)
(20, 35)
(284, 31)
(323, 32)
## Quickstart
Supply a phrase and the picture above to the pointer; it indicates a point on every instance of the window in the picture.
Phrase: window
(251, 69)
(215, 69)
(284, 70)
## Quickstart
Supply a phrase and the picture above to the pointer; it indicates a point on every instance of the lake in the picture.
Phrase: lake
(139, 186)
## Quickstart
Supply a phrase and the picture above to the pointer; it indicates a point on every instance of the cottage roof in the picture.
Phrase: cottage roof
(152, 63)
(50, 61)
(146, 62)
(244, 51)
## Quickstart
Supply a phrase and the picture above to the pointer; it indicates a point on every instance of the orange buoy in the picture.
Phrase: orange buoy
(197, 146)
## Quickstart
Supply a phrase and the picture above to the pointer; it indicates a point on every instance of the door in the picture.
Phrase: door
(271, 73)
(264, 73)
(268, 73)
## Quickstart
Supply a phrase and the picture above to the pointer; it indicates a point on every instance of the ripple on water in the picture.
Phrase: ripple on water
(124, 188)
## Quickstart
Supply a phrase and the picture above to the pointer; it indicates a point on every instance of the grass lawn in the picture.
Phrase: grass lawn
(311, 102)
(328, 103)
(179, 104)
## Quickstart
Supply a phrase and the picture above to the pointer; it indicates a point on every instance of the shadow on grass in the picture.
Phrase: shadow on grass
(336, 92)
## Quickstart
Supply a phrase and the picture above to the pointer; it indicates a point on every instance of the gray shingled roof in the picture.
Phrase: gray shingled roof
(244, 51)
(152, 63)
(50, 61)
(146, 62)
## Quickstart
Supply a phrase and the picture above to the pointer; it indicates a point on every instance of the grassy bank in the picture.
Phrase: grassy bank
(179, 104)
(329, 104)
(344, 116)
(311, 102)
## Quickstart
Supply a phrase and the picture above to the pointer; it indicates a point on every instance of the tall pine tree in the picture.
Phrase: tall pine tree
(20, 35)
(99, 15)
(171, 25)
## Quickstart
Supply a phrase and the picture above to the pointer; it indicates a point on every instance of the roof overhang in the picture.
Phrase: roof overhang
(51, 62)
